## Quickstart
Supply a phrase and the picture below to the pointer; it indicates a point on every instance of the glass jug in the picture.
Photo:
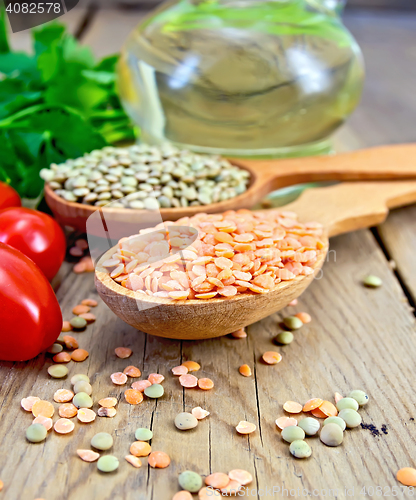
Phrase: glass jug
(242, 77)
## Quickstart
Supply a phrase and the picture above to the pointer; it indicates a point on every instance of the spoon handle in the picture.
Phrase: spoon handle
(392, 162)
(350, 206)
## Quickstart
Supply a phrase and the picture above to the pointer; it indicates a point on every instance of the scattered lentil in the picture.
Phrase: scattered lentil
(43, 408)
(83, 386)
(192, 366)
(80, 309)
(58, 371)
(199, 413)
(108, 463)
(27, 403)
(352, 418)
(155, 378)
(205, 384)
(292, 407)
(337, 397)
(232, 488)
(206, 493)
(62, 357)
(45, 421)
(158, 460)
(140, 449)
(107, 412)
(272, 357)
(143, 434)
(312, 404)
(36, 433)
(54, 349)
(63, 396)
(123, 352)
(79, 355)
(284, 338)
(86, 415)
(293, 433)
(70, 342)
(188, 381)
(185, 421)
(89, 317)
(78, 323)
(79, 376)
(245, 370)
(239, 334)
(292, 322)
(190, 481)
(134, 461)
(337, 421)
(316, 412)
(108, 402)
(102, 441)
(82, 400)
(89, 302)
(179, 370)
(310, 425)
(347, 403)
(283, 422)
(67, 410)
(217, 480)
(360, 396)
(66, 326)
(154, 391)
(141, 385)
(245, 427)
(304, 317)
(118, 378)
(64, 426)
(132, 371)
(133, 397)
(372, 281)
(300, 449)
(241, 476)
(328, 409)
(407, 476)
(331, 434)
(88, 455)
(182, 495)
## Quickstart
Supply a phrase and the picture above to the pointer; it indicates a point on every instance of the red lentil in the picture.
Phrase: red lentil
(241, 476)
(245, 427)
(245, 370)
(88, 455)
(64, 426)
(45, 421)
(217, 480)
(62, 357)
(66, 326)
(232, 488)
(43, 408)
(304, 317)
(108, 402)
(67, 410)
(192, 366)
(272, 357)
(283, 422)
(80, 309)
(89, 317)
(134, 461)
(312, 404)
(292, 407)
(118, 378)
(79, 355)
(89, 303)
(123, 352)
(155, 378)
(328, 409)
(205, 384)
(188, 381)
(158, 460)
(70, 342)
(86, 415)
(27, 403)
(141, 385)
(132, 371)
(133, 397)
(407, 476)
(140, 449)
(179, 370)
(199, 413)
(239, 334)
(63, 396)
(107, 412)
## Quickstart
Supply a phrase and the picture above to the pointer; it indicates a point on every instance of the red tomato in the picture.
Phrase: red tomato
(35, 234)
(30, 316)
(8, 196)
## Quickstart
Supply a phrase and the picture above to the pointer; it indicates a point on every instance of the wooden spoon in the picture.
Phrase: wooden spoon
(340, 208)
(381, 163)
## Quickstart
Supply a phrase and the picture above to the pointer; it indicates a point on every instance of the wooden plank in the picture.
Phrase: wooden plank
(343, 348)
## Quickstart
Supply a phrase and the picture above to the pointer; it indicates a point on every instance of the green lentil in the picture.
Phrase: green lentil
(360, 396)
(293, 433)
(78, 323)
(337, 421)
(351, 417)
(36, 433)
(292, 322)
(310, 425)
(300, 449)
(185, 421)
(79, 376)
(82, 386)
(190, 481)
(372, 281)
(55, 348)
(154, 391)
(111, 173)
(58, 371)
(82, 400)
(331, 434)
(108, 463)
(347, 403)
(284, 338)
(102, 441)
(142, 434)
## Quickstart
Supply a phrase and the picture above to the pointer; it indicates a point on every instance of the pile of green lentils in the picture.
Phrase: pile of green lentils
(146, 177)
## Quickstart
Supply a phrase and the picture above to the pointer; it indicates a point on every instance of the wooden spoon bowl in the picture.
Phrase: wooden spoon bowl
(341, 208)
(380, 163)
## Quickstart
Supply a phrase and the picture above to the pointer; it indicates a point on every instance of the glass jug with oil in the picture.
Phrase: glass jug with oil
(242, 77)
